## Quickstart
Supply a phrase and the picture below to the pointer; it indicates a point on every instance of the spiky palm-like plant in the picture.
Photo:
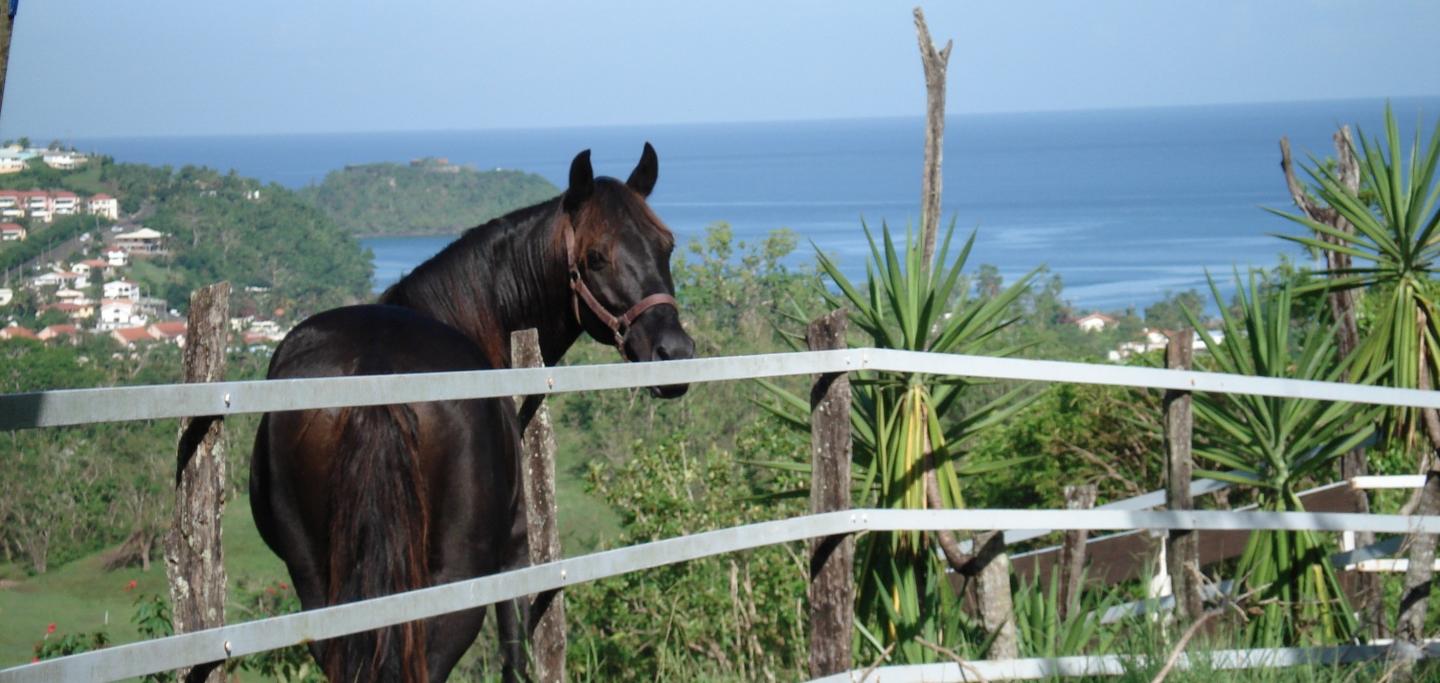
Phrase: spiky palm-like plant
(1274, 445)
(897, 417)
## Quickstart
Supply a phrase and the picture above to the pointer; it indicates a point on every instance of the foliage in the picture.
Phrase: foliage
(1043, 632)
(276, 242)
(425, 197)
(1274, 445)
(904, 422)
(294, 663)
(1169, 312)
(1397, 253)
(741, 615)
(43, 238)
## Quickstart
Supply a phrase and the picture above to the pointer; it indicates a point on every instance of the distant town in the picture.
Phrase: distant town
(88, 293)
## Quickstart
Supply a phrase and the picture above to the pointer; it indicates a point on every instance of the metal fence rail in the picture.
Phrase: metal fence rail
(1112, 665)
(235, 640)
(78, 406)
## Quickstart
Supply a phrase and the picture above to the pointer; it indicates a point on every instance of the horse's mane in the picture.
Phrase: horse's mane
(490, 260)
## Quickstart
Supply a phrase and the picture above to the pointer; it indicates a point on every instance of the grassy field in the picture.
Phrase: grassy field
(82, 597)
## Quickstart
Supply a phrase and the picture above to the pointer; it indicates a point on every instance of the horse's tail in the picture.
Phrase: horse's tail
(378, 531)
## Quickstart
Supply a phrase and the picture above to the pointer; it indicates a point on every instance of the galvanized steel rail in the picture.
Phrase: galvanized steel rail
(78, 406)
(235, 640)
(1111, 665)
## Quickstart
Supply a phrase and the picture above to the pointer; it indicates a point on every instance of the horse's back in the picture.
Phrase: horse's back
(464, 450)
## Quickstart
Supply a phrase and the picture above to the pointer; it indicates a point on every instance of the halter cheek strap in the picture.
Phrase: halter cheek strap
(619, 326)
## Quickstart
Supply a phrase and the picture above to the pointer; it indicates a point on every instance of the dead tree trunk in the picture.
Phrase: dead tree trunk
(832, 582)
(537, 447)
(1072, 554)
(1363, 588)
(7, 28)
(1182, 557)
(934, 63)
(194, 559)
(1419, 575)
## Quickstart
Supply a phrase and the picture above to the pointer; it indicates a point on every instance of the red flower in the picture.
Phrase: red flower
(283, 586)
(49, 629)
(35, 660)
(269, 590)
(130, 586)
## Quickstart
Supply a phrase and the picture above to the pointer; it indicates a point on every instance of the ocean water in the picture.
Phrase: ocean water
(1125, 205)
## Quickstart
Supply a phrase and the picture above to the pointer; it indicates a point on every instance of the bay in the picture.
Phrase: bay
(1125, 205)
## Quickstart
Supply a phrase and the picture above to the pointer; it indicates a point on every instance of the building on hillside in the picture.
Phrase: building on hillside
(16, 332)
(81, 309)
(120, 289)
(12, 204)
(11, 232)
(6, 296)
(64, 161)
(117, 313)
(104, 205)
(142, 242)
(95, 267)
(11, 165)
(128, 337)
(70, 332)
(172, 331)
(1095, 322)
(116, 257)
(37, 205)
(68, 294)
(64, 203)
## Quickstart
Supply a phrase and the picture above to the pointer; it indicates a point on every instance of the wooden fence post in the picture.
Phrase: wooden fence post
(194, 559)
(537, 459)
(1182, 557)
(832, 584)
(1072, 554)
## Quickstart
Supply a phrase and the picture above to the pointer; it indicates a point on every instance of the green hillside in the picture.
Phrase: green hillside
(428, 196)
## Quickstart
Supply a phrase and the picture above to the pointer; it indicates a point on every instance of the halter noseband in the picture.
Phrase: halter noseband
(619, 326)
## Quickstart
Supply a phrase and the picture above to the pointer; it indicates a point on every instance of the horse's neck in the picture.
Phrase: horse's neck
(523, 285)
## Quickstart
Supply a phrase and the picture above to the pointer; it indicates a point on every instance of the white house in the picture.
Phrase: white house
(11, 165)
(104, 205)
(116, 313)
(116, 257)
(64, 203)
(1095, 322)
(63, 160)
(142, 241)
(6, 296)
(120, 289)
(11, 232)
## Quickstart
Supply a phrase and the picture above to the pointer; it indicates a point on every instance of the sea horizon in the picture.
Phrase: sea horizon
(1127, 205)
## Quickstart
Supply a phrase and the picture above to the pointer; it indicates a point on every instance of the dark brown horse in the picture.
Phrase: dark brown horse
(367, 501)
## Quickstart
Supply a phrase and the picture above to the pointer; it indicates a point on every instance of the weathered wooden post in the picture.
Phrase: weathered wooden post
(832, 584)
(537, 459)
(1072, 553)
(1182, 557)
(194, 560)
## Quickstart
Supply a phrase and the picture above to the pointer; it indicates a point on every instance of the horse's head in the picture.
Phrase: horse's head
(618, 252)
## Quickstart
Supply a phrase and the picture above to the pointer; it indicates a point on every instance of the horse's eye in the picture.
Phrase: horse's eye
(595, 260)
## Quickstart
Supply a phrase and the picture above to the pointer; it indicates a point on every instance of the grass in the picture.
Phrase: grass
(82, 597)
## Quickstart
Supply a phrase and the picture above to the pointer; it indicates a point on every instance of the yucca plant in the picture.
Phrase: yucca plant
(1396, 247)
(1044, 632)
(1274, 445)
(898, 417)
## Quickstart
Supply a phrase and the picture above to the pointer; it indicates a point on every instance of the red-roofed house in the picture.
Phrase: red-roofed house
(37, 205)
(12, 204)
(11, 232)
(104, 205)
(130, 336)
(56, 331)
(16, 332)
(64, 203)
(170, 330)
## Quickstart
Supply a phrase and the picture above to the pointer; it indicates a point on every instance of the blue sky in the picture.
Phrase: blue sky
(84, 69)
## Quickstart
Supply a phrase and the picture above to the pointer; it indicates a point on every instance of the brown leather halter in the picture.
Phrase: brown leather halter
(620, 326)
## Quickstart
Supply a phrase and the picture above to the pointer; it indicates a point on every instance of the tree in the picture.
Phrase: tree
(1397, 253)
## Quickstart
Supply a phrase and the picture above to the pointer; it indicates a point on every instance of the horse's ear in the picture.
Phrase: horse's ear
(582, 181)
(642, 179)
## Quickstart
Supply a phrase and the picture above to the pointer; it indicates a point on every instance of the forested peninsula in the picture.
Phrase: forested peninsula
(424, 197)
